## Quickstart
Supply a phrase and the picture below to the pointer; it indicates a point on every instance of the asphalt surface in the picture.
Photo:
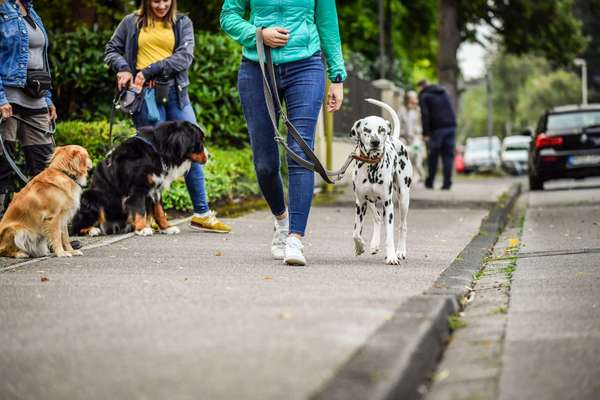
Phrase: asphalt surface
(211, 316)
(552, 344)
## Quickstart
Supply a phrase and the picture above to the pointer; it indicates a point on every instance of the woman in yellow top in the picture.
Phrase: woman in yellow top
(154, 46)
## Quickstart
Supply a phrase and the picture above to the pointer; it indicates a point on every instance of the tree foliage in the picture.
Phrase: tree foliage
(410, 36)
(523, 87)
(546, 28)
(589, 13)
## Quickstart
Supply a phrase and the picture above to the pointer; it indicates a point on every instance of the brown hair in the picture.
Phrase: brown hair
(146, 16)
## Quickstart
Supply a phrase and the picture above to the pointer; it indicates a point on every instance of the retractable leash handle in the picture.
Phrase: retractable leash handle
(10, 161)
(274, 104)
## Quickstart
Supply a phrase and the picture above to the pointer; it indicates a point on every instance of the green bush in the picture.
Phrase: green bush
(84, 86)
(229, 175)
(213, 89)
(92, 135)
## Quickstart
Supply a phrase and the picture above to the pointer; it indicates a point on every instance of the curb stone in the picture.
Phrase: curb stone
(396, 360)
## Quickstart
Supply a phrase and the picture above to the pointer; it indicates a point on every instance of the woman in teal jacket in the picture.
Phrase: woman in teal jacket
(296, 30)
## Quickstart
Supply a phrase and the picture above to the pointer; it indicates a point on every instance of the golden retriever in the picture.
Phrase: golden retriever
(37, 217)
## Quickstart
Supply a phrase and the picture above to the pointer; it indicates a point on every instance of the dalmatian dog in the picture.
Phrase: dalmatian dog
(382, 178)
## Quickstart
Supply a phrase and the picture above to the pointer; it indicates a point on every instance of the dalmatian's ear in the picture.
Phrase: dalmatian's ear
(389, 127)
(354, 132)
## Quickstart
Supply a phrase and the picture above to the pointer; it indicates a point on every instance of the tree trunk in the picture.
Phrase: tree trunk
(449, 40)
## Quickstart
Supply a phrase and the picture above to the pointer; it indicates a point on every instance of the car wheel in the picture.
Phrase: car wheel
(535, 183)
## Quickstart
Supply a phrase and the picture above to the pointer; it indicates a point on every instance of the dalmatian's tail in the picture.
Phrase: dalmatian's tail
(396, 120)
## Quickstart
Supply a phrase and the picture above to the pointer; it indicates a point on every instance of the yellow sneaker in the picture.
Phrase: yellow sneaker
(209, 223)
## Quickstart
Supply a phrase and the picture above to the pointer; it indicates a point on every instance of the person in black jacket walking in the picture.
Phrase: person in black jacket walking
(439, 130)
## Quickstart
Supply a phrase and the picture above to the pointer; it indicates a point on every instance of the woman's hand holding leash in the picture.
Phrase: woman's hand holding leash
(335, 97)
(275, 37)
(6, 110)
(139, 79)
(52, 113)
(123, 79)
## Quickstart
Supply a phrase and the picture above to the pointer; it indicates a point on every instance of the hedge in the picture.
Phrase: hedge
(84, 86)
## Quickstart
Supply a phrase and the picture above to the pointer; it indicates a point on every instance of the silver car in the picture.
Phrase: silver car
(482, 154)
(514, 154)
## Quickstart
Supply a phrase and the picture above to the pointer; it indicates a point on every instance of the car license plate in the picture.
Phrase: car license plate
(577, 161)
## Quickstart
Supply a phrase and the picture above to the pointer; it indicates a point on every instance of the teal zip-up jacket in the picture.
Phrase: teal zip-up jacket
(312, 27)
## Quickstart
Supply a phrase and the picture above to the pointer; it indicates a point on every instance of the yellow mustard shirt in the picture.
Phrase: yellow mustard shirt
(156, 42)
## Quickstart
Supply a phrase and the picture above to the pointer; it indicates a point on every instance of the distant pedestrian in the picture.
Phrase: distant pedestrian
(411, 132)
(439, 130)
(154, 48)
(297, 33)
(24, 90)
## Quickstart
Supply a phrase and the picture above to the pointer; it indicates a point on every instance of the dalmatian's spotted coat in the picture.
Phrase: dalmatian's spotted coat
(381, 184)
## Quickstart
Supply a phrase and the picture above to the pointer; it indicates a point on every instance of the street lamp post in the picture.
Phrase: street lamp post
(490, 112)
(580, 62)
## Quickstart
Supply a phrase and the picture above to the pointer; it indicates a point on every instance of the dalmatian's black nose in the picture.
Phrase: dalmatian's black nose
(375, 142)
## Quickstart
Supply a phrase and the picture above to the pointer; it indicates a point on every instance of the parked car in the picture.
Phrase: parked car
(482, 154)
(566, 145)
(514, 153)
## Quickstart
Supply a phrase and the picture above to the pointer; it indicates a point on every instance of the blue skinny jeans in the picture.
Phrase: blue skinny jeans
(301, 86)
(194, 179)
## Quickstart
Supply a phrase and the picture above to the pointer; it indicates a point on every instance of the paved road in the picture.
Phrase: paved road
(210, 316)
(552, 347)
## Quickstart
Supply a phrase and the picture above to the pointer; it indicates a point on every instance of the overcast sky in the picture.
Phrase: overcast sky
(471, 60)
(471, 56)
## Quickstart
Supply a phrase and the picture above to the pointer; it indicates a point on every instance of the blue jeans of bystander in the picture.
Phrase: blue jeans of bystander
(194, 179)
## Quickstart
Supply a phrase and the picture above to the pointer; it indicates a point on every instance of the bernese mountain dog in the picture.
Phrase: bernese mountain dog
(126, 187)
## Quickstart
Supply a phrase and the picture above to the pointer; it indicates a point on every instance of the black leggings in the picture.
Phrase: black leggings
(36, 158)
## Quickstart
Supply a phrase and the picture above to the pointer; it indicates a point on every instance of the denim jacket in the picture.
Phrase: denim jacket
(14, 47)
(120, 53)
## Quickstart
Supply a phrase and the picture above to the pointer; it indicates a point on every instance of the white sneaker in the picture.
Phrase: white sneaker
(293, 252)
(278, 242)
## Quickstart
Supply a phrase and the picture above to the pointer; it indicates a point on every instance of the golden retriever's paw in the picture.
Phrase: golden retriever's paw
(147, 231)
(64, 254)
(172, 230)
(21, 254)
(94, 232)
(76, 252)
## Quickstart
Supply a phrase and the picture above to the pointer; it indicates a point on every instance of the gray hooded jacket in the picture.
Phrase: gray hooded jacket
(120, 53)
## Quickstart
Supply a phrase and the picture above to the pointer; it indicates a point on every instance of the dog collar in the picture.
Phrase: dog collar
(365, 158)
(73, 177)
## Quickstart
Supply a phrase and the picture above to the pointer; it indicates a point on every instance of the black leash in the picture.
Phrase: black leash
(272, 100)
(50, 132)
(111, 120)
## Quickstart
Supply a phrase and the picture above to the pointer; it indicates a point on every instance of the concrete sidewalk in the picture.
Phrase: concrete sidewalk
(212, 316)
(552, 344)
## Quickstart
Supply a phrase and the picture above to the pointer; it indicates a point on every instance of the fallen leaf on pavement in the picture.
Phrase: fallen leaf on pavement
(44, 279)
(441, 375)
(284, 315)
(268, 278)
(219, 254)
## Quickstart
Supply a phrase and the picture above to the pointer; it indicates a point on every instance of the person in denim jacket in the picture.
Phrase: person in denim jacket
(156, 43)
(23, 47)
(296, 30)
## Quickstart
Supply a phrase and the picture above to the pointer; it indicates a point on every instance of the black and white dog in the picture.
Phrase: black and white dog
(382, 178)
(126, 187)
